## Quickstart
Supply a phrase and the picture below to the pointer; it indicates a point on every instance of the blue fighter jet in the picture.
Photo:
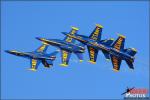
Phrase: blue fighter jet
(67, 46)
(37, 56)
(92, 42)
(114, 51)
(118, 53)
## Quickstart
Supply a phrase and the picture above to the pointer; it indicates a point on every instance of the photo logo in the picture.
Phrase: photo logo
(133, 93)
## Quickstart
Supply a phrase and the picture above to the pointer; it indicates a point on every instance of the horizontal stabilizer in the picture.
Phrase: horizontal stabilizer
(106, 54)
(131, 51)
(130, 64)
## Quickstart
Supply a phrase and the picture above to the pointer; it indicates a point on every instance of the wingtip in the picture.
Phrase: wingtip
(115, 70)
(64, 65)
(111, 38)
(81, 60)
(98, 25)
(75, 28)
(31, 69)
(107, 59)
(131, 69)
(92, 62)
(120, 35)
(134, 49)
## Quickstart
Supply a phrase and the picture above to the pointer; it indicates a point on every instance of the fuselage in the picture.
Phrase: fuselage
(62, 44)
(100, 46)
(31, 55)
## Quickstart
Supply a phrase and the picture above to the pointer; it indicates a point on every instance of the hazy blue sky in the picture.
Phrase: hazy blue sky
(23, 21)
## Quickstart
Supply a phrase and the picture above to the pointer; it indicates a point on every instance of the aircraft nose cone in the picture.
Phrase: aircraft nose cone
(39, 38)
(10, 51)
(7, 51)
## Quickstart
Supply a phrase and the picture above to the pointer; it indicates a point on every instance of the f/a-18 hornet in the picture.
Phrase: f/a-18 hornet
(67, 46)
(37, 56)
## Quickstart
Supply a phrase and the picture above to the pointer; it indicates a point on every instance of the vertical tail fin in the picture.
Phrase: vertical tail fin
(73, 31)
(131, 51)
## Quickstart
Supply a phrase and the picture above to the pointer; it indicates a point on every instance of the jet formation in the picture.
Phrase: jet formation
(112, 49)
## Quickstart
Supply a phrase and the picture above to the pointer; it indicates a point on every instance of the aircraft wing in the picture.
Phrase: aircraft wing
(119, 43)
(34, 64)
(96, 34)
(73, 31)
(92, 54)
(42, 48)
(116, 63)
(106, 54)
(65, 55)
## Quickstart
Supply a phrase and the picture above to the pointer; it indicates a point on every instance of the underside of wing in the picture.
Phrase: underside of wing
(42, 48)
(34, 64)
(65, 55)
(92, 54)
(116, 63)
(106, 54)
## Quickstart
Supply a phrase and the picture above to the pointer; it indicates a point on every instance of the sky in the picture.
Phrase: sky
(22, 21)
